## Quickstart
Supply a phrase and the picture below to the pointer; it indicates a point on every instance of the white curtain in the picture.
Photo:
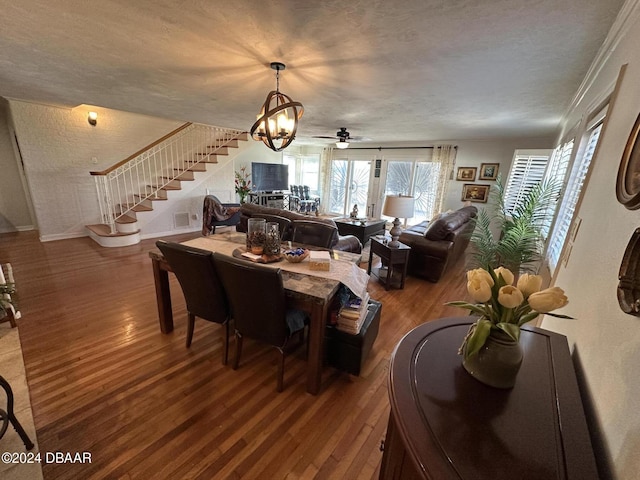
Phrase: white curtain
(445, 155)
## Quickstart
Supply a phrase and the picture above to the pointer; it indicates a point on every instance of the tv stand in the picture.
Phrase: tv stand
(268, 199)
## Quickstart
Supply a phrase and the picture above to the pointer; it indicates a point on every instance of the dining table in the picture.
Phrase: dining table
(305, 289)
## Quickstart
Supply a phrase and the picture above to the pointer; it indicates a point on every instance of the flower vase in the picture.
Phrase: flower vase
(497, 362)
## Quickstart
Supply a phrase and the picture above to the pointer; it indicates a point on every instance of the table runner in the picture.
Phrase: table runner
(348, 273)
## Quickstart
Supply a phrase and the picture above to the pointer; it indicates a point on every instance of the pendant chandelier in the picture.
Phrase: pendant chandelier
(277, 122)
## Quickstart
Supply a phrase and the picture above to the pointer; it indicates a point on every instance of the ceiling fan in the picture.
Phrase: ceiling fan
(343, 138)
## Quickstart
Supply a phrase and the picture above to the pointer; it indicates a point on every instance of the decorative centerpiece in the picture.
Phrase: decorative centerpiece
(491, 350)
(256, 235)
(242, 184)
(272, 239)
(296, 255)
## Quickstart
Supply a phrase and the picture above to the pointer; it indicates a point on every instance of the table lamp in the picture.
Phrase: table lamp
(399, 207)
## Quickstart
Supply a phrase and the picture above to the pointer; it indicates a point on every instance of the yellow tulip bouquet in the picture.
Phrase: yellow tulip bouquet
(503, 306)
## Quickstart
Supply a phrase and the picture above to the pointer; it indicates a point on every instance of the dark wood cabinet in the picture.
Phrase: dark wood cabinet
(444, 424)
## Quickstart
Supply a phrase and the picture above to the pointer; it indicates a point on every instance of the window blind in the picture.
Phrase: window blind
(526, 172)
(570, 198)
(557, 171)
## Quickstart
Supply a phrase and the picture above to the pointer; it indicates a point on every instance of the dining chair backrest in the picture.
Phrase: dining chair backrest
(284, 224)
(196, 272)
(257, 299)
(314, 233)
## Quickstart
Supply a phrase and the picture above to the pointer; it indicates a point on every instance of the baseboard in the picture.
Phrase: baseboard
(24, 228)
(171, 232)
(62, 236)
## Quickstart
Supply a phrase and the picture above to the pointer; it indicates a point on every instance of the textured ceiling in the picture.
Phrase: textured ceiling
(397, 70)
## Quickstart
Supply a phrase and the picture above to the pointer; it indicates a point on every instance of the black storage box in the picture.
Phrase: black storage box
(348, 352)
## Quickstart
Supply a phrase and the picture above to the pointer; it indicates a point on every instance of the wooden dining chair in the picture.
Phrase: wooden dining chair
(314, 233)
(259, 308)
(201, 286)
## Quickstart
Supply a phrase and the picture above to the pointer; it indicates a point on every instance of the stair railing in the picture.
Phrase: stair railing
(129, 183)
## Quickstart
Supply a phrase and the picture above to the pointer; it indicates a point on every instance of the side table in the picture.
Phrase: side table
(392, 257)
(446, 425)
(363, 229)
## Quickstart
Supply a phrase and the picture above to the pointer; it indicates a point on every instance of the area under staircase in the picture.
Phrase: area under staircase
(137, 182)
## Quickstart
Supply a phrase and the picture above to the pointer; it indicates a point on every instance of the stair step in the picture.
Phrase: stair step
(103, 230)
(230, 144)
(166, 187)
(243, 137)
(196, 167)
(126, 218)
(184, 177)
(152, 199)
(210, 158)
(137, 208)
(219, 151)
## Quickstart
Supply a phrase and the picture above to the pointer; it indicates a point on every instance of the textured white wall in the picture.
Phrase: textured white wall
(14, 209)
(58, 145)
(606, 341)
(473, 153)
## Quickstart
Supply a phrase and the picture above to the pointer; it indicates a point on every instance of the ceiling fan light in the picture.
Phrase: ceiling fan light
(342, 144)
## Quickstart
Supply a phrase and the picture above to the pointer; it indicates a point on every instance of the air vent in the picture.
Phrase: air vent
(181, 220)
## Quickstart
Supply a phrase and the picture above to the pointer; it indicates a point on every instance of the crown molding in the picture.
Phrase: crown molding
(627, 17)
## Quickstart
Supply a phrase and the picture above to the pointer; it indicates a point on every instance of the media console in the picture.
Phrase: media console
(270, 199)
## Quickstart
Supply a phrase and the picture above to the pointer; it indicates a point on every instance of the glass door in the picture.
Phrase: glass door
(415, 178)
(349, 186)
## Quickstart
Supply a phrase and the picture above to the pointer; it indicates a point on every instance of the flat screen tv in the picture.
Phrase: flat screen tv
(269, 177)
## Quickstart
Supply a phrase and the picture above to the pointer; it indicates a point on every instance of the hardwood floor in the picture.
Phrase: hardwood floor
(104, 380)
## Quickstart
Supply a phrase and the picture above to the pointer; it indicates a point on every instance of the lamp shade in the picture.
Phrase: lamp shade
(398, 206)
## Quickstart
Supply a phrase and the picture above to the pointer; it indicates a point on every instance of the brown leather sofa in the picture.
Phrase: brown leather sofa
(345, 243)
(437, 244)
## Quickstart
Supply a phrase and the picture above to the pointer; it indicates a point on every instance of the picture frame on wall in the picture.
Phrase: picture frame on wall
(628, 180)
(466, 174)
(489, 171)
(473, 192)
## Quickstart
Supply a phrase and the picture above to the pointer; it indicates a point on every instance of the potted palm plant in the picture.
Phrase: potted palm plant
(513, 237)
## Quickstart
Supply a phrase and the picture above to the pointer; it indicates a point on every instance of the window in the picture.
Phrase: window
(571, 195)
(418, 179)
(527, 170)
(303, 170)
(556, 172)
(365, 179)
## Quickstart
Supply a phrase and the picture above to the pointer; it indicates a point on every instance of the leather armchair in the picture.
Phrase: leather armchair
(313, 233)
(436, 245)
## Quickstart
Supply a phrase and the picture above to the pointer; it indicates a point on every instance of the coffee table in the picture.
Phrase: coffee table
(363, 229)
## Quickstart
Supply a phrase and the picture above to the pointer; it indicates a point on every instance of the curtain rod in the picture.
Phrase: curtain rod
(391, 148)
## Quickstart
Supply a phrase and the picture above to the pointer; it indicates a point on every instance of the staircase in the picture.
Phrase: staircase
(137, 182)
